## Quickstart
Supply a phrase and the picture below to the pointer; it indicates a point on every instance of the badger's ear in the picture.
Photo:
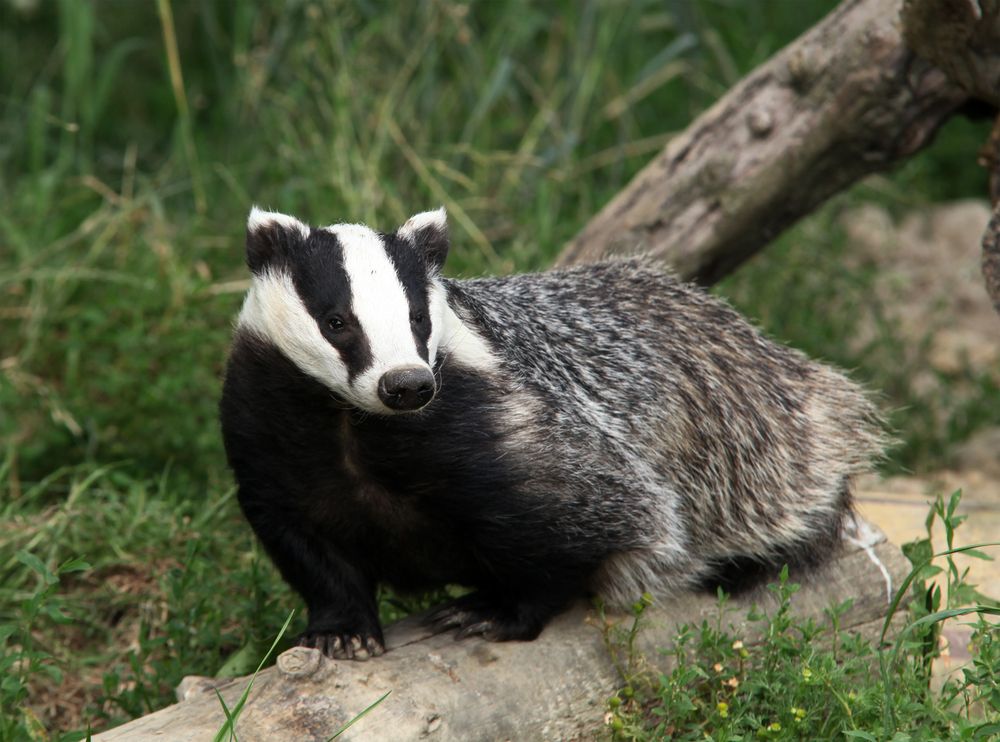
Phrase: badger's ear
(428, 231)
(270, 236)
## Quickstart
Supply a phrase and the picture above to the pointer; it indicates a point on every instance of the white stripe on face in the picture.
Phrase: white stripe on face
(274, 311)
(379, 303)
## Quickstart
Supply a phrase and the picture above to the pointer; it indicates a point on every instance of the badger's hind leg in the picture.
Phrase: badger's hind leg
(498, 617)
(740, 573)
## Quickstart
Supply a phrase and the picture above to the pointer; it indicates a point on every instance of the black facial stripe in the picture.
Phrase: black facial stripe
(420, 339)
(411, 270)
(325, 288)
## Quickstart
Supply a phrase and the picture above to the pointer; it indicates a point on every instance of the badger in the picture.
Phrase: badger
(605, 430)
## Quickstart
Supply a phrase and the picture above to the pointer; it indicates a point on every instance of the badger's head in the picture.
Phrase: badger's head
(358, 310)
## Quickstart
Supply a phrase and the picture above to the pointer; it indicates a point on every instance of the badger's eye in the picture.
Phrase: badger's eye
(336, 323)
(417, 318)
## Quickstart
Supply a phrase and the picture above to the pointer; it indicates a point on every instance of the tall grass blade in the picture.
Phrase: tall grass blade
(228, 730)
(357, 718)
(180, 97)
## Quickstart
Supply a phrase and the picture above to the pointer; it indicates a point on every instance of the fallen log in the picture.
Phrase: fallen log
(848, 98)
(552, 688)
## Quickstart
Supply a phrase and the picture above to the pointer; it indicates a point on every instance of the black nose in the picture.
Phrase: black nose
(406, 388)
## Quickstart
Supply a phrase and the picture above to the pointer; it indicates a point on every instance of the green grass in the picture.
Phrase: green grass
(779, 676)
(125, 179)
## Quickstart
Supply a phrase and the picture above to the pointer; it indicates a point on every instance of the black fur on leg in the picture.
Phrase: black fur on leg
(497, 618)
(740, 574)
(343, 615)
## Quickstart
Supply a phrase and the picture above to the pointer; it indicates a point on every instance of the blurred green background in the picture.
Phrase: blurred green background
(124, 188)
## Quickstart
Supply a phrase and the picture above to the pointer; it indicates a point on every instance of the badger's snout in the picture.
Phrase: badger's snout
(406, 388)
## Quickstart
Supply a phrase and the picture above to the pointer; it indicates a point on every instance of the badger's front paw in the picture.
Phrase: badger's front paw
(341, 645)
(494, 620)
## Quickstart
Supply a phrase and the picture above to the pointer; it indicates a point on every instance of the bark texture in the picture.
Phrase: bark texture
(961, 37)
(848, 98)
(551, 689)
(991, 257)
(990, 158)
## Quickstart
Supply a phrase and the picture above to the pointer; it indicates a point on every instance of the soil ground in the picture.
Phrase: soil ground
(928, 269)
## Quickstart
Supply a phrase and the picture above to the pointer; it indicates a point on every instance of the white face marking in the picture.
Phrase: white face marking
(379, 302)
(437, 219)
(273, 310)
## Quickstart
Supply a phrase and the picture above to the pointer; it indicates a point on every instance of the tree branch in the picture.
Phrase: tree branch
(847, 99)
(960, 37)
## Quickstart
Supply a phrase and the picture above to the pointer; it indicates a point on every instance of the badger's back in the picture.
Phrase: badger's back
(748, 442)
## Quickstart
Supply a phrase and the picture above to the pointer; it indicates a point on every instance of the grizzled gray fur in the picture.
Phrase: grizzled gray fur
(681, 427)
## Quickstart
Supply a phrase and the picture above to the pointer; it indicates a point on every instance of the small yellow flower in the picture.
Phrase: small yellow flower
(732, 682)
(717, 667)
(737, 644)
(723, 708)
(799, 713)
(807, 673)
(774, 727)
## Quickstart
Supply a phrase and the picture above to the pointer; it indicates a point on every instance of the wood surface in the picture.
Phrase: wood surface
(553, 688)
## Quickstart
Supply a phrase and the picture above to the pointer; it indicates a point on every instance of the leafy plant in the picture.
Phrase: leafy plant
(799, 679)
(22, 657)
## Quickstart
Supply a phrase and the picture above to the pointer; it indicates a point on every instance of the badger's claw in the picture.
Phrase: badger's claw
(477, 614)
(342, 646)
(449, 616)
(486, 629)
